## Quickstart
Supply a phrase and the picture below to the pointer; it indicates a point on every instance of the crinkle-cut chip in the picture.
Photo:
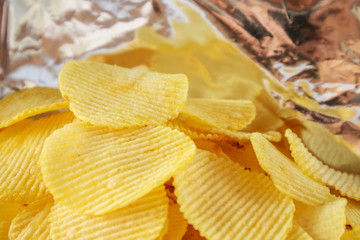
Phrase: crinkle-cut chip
(109, 95)
(353, 213)
(142, 219)
(217, 134)
(287, 177)
(97, 170)
(32, 221)
(329, 148)
(224, 201)
(177, 223)
(7, 212)
(351, 234)
(163, 230)
(323, 222)
(192, 234)
(219, 113)
(298, 233)
(210, 146)
(347, 184)
(243, 154)
(20, 148)
(29, 102)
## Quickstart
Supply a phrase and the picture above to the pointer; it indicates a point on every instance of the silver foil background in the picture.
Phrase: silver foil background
(318, 40)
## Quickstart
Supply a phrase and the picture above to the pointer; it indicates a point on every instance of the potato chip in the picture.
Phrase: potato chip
(351, 234)
(117, 97)
(177, 223)
(163, 230)
(32, 221)
(324, 222)
(142, 219)
(7, 212)
(29, 102)
(286, 175)
(97, 170)
(192, 234)
(219, 113)
(224, 201)
(298, 233)
(347, 184)
(329, 148)
(353, 213)
(20, 148)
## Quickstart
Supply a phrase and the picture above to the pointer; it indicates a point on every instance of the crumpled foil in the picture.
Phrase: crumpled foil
(312, 41)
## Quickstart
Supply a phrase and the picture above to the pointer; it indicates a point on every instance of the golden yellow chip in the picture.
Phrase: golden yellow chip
(108, 95)
(177, 224)
(324, 222)
(32, 221)
(218, 113)
(351, 234)
(224, 201)
(163, 230)
(96, 170)
(353, 213)
(298, 233)
(348, 184)
(7, 212)
(286, 175)
(192, 234)
(29, 102)
(329, 148)
(142, 219)
(20, 148)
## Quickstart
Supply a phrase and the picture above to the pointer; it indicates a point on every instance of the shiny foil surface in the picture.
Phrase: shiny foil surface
(314, 45)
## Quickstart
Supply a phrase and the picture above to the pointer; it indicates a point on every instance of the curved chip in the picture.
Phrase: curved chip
(224, 201)
(347, 184)
(7, 212)
(32, 221)
(142, 219)
(353, 213)
(29, 102)
(219, 113)
(192, 234)
(177, 224)
(351, 234)
(20, 148)
(109, 95)
(298, 233)
(324, 222)
(96, 170)
(286, 175)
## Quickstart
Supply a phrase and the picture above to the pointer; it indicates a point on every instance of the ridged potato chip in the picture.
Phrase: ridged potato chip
(224, 201)
(20, 148)
(32, 221)
(177, 224)
(287, 177)
(219, 113)
(7, 212)
(351, 234)
(329, 148)
(324, 222)
(117, 97)
(353, 213)
(97, 170)
(29, 102)
(192, 234)
(348, 184)
(142, 219)
(298, 233)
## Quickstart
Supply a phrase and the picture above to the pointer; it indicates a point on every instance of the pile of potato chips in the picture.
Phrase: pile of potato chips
(122, 151)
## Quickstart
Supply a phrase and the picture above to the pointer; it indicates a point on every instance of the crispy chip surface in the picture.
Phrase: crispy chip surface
(96, 170)
(351, 234)
(32, 221)
(224, 201)
(20, 148)
(142, 219)
(298, 233)
(325, 222)
(177, 224)
(192, 234)
(219, 113)
(7, 212)
(353, 213)
(29, 102)
(286, 175)
(107, 95)
(347, 184)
